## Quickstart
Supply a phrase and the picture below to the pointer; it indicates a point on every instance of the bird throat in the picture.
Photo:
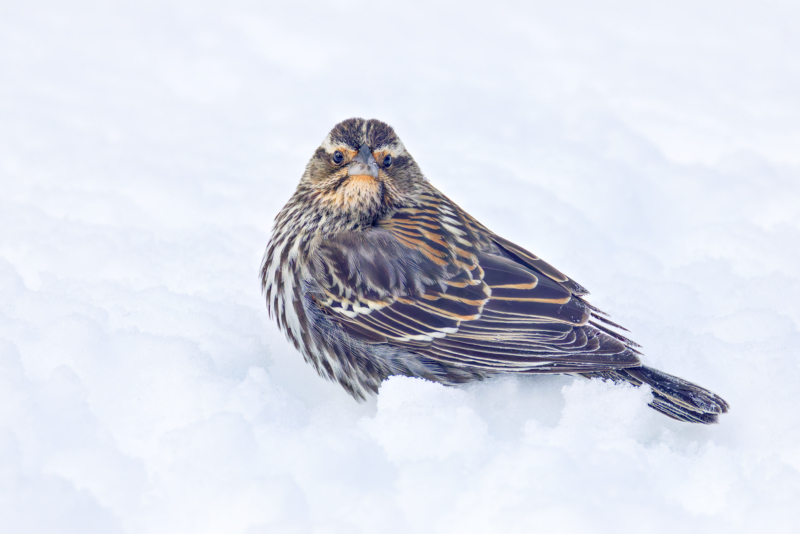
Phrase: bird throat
(359, 192)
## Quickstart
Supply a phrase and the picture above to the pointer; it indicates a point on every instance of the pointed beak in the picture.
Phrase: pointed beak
(363, 164)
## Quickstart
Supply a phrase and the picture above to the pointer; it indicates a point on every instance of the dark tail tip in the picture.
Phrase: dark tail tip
(673, 396)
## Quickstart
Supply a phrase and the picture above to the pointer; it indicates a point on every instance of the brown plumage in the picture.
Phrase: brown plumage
(372, 272)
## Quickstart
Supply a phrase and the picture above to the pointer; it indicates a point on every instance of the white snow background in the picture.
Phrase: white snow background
(649, 150)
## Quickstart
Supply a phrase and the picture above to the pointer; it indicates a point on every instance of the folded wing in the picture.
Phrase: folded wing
(434, 282)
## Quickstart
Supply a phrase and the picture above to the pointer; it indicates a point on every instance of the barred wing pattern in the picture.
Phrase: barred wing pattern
(432, 281)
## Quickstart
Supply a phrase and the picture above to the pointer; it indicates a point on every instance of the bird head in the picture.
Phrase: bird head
(360, 172)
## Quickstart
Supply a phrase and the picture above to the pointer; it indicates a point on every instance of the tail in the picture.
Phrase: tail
(672, 396)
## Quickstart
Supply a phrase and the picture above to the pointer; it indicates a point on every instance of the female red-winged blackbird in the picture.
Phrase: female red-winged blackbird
(372, 272)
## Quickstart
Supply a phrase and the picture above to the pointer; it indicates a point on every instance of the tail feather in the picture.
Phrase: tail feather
(672, 396)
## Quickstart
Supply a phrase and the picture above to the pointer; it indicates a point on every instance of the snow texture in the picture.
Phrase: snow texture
(648, 150)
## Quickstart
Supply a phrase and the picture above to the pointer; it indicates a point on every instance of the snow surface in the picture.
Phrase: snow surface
(651, 151)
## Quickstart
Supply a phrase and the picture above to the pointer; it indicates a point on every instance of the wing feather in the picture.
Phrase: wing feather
(433, 281)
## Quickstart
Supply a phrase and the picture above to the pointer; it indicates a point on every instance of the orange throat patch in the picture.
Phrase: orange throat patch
(362, 179)
(358, 190)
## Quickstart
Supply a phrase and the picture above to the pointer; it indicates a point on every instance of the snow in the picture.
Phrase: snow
(649, 151)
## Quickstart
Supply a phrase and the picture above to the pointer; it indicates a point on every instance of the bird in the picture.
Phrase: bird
(371, 272)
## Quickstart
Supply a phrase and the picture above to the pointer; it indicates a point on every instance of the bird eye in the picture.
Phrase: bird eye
(338, 157)
(387, 161)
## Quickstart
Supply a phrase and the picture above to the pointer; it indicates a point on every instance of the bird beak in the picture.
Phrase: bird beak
(363, 164)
